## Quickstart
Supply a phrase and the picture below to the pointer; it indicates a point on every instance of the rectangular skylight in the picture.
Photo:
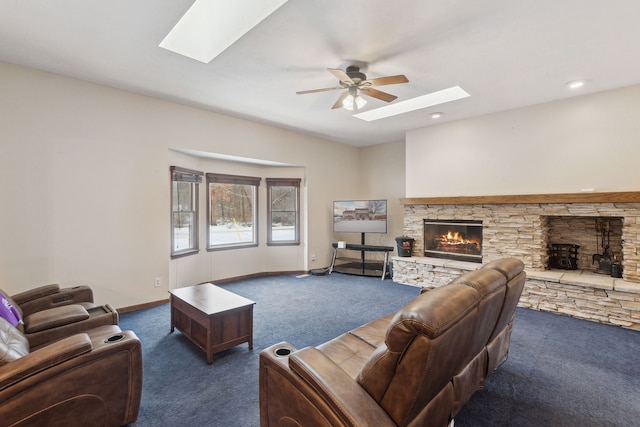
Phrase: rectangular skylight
(424, 101)
(211, 26)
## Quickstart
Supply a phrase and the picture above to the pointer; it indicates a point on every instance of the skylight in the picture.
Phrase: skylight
(429, 100)
(211, 26)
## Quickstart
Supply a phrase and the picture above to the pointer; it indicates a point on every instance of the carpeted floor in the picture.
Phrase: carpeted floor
(561, 371)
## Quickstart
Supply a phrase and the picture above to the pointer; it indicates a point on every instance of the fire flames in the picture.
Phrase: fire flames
(454, 241)
(453, 238)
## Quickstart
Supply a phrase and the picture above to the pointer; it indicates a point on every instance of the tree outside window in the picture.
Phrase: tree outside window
(184, 211)
(232, 211)
(283, 200)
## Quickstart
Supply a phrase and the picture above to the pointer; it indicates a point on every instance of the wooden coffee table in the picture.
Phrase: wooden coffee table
(212, 318)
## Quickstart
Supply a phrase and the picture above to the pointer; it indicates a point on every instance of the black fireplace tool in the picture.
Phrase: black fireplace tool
(603, 237)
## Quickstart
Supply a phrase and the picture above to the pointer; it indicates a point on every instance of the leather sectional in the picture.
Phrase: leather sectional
(417, 367)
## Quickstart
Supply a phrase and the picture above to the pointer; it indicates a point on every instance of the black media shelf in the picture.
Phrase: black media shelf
(361, 267)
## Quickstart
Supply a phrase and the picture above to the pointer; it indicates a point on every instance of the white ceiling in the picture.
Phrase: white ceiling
(505, 53)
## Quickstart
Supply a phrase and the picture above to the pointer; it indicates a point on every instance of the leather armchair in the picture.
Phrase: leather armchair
(88, 379)
(49, 313)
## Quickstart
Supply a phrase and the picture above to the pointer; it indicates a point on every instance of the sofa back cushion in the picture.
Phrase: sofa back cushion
(426, 344)
(513, 270)
(13, 343)
(490, 284)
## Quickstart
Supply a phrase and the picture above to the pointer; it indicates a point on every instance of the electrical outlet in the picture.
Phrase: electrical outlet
(156, 282)
(313, 257)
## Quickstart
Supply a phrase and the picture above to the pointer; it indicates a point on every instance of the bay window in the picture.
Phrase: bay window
(283, 207)
(232, 213)
(184, 211)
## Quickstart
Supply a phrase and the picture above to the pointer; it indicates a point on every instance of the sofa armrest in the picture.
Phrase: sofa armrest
(54, 318)
(43, 359)
(342, 393)
(35, 293)
(97, 316)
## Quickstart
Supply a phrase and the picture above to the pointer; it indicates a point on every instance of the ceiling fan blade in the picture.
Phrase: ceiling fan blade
(338, 103)
(384, 96)
(341, 75)
(302, 92)
(391, 80)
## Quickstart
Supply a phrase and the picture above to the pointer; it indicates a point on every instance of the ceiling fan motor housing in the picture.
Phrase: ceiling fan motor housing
(354, 74)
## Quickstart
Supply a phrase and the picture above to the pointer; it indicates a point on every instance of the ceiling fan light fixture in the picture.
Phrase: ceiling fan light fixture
(351, 102)
(347, 102)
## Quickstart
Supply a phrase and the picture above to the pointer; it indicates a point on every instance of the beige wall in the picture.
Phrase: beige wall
(85, 186)
(382, 167)
(561, 147)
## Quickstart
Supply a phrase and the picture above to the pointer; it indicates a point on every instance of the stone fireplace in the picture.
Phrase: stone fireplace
(525, 227)
(526, 230)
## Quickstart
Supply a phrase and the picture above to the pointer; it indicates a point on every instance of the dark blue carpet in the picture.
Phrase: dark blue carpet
(561, 371)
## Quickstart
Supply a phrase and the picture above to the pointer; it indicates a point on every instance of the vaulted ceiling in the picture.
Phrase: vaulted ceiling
(506, 54)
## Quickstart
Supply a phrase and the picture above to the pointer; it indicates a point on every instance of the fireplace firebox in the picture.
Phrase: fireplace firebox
(453, 239)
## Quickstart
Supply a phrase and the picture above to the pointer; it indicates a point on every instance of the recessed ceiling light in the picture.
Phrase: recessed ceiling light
(575, 84)
(436, 115)
(424, 101)
(211, 26)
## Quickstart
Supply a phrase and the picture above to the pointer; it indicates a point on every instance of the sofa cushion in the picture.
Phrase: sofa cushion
(351, 350)
(347, 351)
(13, 344)
(373, 332)
(54, 317)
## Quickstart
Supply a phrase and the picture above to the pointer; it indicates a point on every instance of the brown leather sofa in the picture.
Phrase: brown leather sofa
(417, 367)
(89, 379)
(50, 313)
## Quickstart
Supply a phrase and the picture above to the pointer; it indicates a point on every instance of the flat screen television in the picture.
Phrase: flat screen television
(360, 216)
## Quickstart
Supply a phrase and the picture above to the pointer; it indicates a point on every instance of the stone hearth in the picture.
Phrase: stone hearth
(520, 227)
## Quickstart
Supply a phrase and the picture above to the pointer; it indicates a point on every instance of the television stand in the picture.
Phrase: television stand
(361, 267)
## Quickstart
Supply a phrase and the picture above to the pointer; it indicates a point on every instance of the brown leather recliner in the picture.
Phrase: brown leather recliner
(417, 367)
(88, 379)
(49, 313)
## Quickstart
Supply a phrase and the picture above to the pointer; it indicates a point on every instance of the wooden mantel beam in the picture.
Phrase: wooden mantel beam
(586, 197)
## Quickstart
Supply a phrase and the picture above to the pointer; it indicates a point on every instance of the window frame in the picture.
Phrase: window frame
(179, 174)
(283, 182)
(217, 178)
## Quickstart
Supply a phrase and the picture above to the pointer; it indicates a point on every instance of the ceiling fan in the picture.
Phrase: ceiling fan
(357, 84)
